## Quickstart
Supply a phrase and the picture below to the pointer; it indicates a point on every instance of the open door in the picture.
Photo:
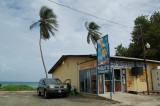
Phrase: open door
(68, 83)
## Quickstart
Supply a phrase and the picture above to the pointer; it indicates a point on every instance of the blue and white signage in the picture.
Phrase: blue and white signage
(103, 55)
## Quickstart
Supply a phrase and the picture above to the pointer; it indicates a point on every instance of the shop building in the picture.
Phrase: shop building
(81, 69)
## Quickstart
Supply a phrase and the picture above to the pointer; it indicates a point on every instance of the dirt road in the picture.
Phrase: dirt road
(30, 98)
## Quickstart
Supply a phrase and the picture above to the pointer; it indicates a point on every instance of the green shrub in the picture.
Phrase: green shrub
(0, 85)
(16, 88)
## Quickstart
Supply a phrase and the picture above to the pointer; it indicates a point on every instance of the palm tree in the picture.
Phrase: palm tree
(47, 23)
(93, 33)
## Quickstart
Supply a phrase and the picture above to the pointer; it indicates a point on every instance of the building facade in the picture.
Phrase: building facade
(81, 69)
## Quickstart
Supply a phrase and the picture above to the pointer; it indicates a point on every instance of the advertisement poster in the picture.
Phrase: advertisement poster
(103, 55)
(87, 65)
(143, 77)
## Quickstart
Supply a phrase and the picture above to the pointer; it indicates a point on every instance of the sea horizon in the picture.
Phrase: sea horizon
(19, 81)
(32, 84)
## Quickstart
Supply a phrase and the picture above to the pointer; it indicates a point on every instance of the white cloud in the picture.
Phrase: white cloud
(5, 68)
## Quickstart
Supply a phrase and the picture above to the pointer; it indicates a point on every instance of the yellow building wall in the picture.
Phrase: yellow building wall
(134, 83)
(70, 70)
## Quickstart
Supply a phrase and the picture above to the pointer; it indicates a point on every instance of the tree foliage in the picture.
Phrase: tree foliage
(121, 51)
(151, 35)
(93, 32)
(47, 22)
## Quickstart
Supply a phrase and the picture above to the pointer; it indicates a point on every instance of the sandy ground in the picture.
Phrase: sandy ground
(30, 98)
(3, 93)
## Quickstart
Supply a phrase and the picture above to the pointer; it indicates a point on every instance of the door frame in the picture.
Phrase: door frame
(113, 82)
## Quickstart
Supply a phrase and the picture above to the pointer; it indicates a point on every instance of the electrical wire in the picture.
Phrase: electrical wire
(89, 14)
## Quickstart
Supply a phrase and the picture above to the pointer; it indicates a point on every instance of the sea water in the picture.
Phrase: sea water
(31, 84)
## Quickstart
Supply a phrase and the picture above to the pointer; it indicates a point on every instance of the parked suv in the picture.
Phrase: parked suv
(51, 86)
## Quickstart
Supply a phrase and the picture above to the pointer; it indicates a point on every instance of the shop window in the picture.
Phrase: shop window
(107, 76)
(93, 81)
(101, 86)
(117, 74)
(87, 79)
(81, 74)
(107, 84)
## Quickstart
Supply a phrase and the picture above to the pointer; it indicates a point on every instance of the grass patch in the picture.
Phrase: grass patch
(16, 88)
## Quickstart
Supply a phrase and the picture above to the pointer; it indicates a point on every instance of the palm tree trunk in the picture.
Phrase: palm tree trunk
(42, 57)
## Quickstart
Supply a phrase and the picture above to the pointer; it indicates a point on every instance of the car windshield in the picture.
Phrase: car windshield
(53, 81)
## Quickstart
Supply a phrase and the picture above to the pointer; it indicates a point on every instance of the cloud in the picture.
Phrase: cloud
(6, 68)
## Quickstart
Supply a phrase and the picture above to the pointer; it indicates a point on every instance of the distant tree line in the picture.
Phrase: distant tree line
(151, 35)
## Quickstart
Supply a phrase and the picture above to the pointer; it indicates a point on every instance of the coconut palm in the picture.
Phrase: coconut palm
(93, 33)
(47, 24)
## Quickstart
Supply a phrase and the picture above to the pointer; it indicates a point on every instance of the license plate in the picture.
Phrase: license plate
(59, 91)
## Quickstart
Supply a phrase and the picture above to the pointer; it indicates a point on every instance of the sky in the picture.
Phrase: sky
(20, 58)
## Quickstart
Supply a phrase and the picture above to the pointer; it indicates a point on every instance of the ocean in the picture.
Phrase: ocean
(32, 84)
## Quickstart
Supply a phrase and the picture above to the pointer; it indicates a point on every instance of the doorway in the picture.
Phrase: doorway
(87, 80)
(118, 80)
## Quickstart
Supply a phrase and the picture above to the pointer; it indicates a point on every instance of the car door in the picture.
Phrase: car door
(40, 85)
(68, 83)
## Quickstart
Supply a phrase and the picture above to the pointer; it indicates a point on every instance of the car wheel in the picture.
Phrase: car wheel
(65, 95)
(39, 93)
(46, 96)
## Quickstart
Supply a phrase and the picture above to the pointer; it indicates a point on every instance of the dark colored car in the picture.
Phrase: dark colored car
(52, 86)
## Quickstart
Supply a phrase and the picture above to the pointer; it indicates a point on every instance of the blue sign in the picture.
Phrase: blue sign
(103, 55)
(102, 69)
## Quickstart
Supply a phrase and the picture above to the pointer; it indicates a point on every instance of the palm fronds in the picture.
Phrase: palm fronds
(47, 22)
(93, 33)
(33, 25)
(46, 13)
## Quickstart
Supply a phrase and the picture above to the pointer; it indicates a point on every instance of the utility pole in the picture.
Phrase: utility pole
(144, 55)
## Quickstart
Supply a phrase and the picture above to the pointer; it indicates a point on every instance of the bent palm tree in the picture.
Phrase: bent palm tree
(93, 33)
(47, 23)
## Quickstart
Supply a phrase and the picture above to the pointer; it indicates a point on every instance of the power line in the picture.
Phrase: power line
(89, 14)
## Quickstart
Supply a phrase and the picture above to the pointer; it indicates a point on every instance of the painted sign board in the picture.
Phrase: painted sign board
(88, 65)
(103, 55)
